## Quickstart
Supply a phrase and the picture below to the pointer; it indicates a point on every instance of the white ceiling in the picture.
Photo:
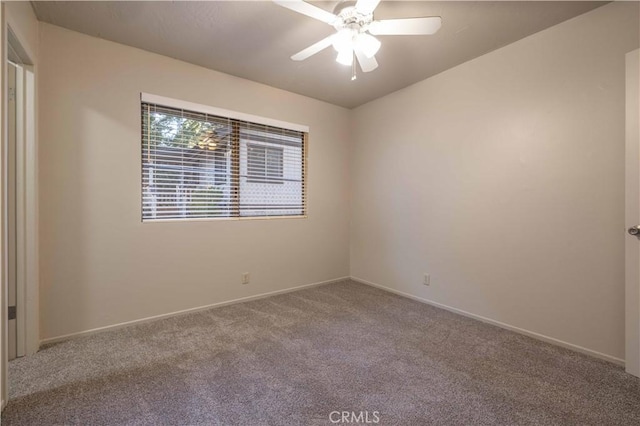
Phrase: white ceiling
(254, 39)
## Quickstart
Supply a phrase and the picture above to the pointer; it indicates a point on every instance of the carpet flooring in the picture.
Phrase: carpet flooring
(295, 358)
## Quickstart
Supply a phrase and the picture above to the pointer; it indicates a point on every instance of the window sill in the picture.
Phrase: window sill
(218, 219)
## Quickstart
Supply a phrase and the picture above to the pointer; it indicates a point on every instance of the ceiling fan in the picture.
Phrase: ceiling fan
(355, 30)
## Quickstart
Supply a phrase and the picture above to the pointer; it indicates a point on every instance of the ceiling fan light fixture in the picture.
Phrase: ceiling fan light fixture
(343, 40)
(355, 28)
(345, 57)
(368, 44)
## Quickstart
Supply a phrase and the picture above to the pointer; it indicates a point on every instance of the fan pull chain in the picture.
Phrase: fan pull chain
(353, 67)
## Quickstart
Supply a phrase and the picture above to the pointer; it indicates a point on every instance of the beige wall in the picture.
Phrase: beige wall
(504, 179)
(99, 264)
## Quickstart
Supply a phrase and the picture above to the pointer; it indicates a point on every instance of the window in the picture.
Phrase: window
(264, 164)
(200, 162)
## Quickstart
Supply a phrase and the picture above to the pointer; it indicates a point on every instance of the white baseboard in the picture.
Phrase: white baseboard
(185, 311)
(532, 334)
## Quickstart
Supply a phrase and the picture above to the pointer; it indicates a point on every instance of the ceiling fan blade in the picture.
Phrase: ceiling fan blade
(308, 9)
(314, 48)
(367, 6)
(408, 26)
(367, 64)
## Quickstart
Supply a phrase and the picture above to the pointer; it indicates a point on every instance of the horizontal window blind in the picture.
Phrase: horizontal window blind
(198, 165)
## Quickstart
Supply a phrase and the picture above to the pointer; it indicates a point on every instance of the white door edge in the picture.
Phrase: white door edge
(632, 214)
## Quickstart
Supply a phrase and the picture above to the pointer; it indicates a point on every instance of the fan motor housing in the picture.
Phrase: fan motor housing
(350, 17)
(343, 5)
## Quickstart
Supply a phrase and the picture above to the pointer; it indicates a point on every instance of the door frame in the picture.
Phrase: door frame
(27, 336)
(632, 213)
(27, 205)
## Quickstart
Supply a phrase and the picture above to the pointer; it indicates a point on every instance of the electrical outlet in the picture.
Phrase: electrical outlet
(427, 279)
(246, 278)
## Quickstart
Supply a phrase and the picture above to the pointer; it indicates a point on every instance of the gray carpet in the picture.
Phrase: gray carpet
(295, 358)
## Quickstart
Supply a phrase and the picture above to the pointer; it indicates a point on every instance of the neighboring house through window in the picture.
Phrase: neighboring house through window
(265, 164)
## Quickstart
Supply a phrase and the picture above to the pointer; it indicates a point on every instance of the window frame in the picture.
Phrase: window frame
(236, 116)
